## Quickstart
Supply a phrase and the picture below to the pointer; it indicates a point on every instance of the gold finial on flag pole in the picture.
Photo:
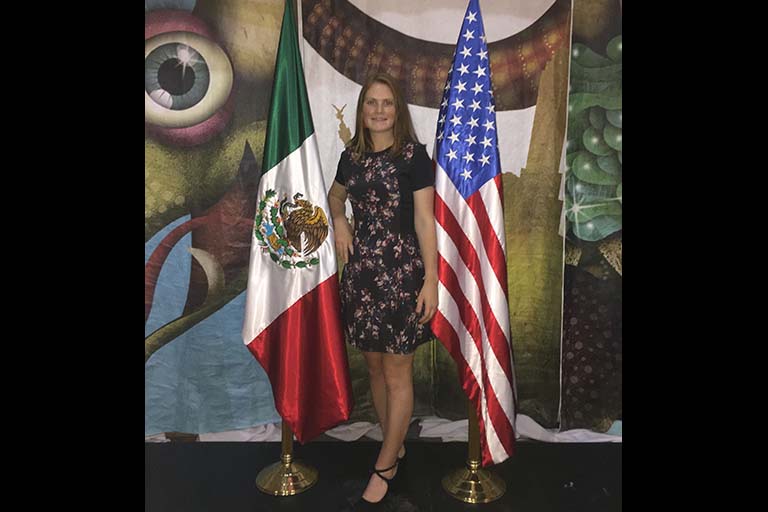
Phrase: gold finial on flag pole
(287, 477)
(473, 484)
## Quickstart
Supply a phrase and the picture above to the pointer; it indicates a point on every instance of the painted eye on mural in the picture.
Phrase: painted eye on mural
(176, 76)
(187, 79)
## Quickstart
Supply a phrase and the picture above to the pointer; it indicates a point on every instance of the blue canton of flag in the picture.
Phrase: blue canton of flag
(466, 129)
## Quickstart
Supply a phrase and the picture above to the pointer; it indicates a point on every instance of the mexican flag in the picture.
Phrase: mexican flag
(292, 313)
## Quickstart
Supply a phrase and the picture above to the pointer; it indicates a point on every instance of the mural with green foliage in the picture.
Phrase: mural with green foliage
(592, 307)
(593, 201)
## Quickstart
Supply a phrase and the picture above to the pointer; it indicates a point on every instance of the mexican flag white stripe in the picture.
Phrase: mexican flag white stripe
(270, 290)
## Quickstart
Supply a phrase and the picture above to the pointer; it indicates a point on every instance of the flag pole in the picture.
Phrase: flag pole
(287, 477)
(473, 484)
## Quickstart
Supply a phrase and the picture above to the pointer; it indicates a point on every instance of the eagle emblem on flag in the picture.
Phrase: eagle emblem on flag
(290, 231)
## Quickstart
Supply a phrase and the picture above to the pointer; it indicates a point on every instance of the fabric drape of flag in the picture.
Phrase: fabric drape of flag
(292, 313)
(472, 320)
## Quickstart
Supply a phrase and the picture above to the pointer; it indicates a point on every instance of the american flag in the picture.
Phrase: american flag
(473, 316)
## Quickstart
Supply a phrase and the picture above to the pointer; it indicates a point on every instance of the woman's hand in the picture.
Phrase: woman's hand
(427, 300)
(341, 228)
(424, 222)
(343, 238)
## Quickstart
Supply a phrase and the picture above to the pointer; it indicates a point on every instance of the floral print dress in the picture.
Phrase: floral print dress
(383, 278)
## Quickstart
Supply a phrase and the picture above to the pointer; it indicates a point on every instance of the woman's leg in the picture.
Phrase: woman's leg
(398, 380)
(375, 363)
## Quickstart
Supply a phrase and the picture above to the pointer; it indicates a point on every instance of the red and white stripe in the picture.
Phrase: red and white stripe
(473, 315)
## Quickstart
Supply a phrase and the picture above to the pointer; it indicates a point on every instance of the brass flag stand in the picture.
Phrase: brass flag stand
(473, 484)
(287, 477)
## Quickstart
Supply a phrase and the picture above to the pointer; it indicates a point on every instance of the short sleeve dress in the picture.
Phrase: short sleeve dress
(383, 278)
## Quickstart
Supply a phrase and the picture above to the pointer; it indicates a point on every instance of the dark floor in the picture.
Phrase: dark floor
(219, 477)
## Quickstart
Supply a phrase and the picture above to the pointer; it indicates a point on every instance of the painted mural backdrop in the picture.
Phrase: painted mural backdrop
(208, 73)
(592, 328)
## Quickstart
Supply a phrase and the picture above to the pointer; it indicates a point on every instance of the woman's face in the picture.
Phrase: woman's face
(379, 108)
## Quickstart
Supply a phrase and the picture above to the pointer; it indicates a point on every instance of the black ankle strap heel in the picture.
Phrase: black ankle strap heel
(380, 471)
(363, 505)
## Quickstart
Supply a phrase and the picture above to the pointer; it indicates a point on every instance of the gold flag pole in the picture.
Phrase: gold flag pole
(473, 484)
(287, 477)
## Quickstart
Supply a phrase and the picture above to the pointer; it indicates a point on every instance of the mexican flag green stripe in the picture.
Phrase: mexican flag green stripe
(290, 121)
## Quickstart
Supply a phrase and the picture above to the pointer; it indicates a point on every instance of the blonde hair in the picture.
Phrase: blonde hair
(403, 128)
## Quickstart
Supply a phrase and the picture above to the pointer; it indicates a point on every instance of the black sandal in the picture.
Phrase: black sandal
(365, 505)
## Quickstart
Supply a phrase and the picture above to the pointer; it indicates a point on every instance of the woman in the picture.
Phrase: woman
(389, 281)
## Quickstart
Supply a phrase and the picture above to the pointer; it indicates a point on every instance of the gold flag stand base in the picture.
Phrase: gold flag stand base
(473, 484)
(281, 479)
(287, 477)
